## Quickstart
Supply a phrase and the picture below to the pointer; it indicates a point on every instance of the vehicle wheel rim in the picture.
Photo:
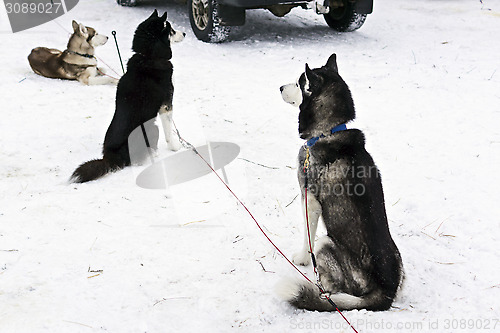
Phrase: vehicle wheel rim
(200, 13)
(338, 13)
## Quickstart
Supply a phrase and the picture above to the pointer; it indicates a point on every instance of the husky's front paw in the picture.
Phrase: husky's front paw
(302, 258)
(174, 144)
(153, 152)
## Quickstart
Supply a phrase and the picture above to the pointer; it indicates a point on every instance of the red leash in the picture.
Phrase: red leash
(104, 74)
(313, 258)
(318, 284)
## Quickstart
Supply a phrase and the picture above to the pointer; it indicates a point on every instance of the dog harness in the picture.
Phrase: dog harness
(338, 128)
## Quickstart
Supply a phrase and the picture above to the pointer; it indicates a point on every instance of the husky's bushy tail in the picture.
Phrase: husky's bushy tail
(94, 169)
(305, 295)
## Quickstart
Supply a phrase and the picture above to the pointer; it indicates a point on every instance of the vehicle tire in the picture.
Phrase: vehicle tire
(345, 18)
(127, 3)
(205, 21)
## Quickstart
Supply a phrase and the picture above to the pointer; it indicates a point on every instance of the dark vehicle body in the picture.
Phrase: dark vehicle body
(211, 20)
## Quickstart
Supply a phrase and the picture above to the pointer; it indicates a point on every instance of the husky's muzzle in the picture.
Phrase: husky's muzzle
(291, 94)
(176, 36)
(98, 40)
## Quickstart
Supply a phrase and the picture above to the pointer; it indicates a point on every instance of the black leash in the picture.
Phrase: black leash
(118, 49)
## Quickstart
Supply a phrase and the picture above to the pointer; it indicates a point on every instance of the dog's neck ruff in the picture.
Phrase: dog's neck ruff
(81, 54)
(338, 128)
(156, 63)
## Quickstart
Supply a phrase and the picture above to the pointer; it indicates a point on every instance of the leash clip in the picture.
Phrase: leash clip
(306, 161)
(322, 293)
(183, 142)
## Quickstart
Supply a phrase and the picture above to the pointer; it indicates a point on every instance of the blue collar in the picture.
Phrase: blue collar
(312, 141)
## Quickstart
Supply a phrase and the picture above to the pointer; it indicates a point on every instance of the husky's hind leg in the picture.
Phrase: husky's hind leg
(341, 281)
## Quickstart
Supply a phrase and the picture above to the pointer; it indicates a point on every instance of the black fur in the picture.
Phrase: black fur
(143, 89)
(358, 257)
(328, 92)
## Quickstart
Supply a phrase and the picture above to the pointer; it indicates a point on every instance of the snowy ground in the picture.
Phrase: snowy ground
(110, 256)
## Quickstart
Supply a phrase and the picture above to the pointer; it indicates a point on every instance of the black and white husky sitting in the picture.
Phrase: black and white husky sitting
(358, 263)
(144, 91)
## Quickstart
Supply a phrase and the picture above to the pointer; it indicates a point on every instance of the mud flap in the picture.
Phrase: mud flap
(231, 16)
(364, 6)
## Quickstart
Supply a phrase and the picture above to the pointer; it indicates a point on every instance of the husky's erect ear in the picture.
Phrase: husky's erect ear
(82, 29)
(332, 63)
(155, 14)
(311, 77)
(164, 17)
(75, 26)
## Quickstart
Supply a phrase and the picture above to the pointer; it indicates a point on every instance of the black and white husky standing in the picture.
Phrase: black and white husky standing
(145, 90)
(358, 263)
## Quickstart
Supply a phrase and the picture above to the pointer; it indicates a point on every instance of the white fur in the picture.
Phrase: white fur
(177, 36)
(98, 40)
(166, 115)
(288, 289)
(346, 301)
(292, 94)
(320, 243)
(91, 77)
(307, 87)
(83, 30)
(313, 213)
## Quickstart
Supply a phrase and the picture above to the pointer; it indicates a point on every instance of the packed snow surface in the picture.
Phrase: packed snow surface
(110, 256)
